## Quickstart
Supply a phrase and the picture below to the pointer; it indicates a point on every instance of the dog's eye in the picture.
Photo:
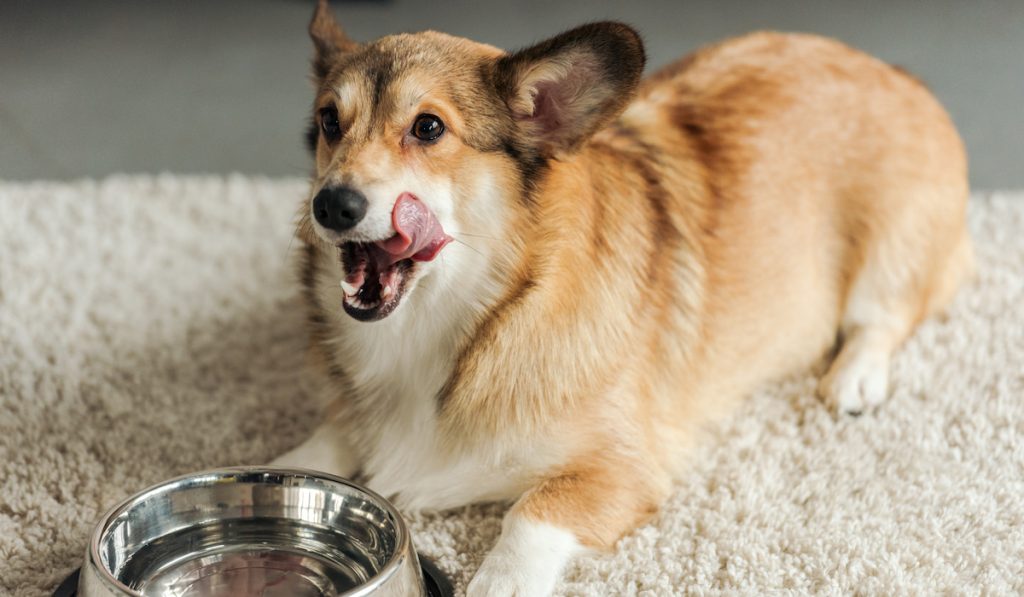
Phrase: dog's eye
(329, 124)
(427, 127)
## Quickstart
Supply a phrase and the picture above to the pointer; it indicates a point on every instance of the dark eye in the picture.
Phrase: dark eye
(427, 127)
(329, 124)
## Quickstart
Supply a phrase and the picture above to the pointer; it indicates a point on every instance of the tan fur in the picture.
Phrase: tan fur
(751, 203)
(787, 164)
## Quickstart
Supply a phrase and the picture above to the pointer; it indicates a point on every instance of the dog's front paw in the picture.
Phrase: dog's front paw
(502, 577)
(526, 562)
(324, 452)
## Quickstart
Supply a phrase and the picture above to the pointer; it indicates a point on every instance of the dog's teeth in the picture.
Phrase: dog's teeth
(349, 289)
(358, 304)
(386, 292)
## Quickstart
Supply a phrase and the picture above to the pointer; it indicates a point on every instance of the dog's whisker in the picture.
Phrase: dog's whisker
(291, 241)
(300, 226)
(480, 236)
(461, 242)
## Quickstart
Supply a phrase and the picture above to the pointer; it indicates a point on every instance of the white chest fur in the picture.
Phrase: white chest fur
(397, 366)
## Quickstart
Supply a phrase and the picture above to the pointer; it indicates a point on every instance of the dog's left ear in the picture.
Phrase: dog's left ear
(563, 90)
(329, 41)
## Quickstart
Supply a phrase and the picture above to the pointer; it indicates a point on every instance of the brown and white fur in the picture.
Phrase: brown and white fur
(631, 258)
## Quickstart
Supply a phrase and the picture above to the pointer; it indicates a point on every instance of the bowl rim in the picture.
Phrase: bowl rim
(403, 543)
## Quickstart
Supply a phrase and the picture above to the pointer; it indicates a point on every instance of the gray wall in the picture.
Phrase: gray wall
(92, 87)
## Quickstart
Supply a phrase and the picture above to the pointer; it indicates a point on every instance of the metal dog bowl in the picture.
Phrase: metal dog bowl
(255, 531)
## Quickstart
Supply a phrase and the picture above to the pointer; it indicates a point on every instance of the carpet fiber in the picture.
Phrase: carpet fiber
(149, 327)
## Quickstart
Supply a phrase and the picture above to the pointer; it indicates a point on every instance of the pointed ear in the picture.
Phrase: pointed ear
(563, 90)
(329, 40)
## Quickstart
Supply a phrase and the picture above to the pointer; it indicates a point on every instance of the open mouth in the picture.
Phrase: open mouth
(373, 283)
(378, 274)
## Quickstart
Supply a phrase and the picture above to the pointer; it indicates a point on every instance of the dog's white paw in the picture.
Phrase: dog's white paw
(526, 562)
(504, 579)
(324, 452)
(856, 382)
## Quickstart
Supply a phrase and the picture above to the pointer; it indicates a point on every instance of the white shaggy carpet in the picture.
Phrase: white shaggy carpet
(149, 327)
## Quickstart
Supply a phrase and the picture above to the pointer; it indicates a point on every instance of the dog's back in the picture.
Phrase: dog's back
(825, 191)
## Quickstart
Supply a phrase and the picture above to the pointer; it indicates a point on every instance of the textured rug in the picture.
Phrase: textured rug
(149, 328)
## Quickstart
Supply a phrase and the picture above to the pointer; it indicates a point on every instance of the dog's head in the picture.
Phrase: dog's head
(422, 139)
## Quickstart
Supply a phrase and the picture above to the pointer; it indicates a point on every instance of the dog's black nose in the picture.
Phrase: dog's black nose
(339, 208)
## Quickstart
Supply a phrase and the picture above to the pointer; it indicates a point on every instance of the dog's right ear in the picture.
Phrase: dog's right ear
(329, 40)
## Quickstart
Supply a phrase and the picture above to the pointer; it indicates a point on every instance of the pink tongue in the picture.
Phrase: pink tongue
(418, 234)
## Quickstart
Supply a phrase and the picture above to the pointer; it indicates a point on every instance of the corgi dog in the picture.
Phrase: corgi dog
(533, 276)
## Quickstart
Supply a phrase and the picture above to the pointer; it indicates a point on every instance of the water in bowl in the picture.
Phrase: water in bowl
(268, 557)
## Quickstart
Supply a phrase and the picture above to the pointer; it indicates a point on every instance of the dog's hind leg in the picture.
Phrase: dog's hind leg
(859, 375)
(903, 278)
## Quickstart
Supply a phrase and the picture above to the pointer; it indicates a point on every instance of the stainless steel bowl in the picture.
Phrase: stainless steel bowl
(252, 531)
